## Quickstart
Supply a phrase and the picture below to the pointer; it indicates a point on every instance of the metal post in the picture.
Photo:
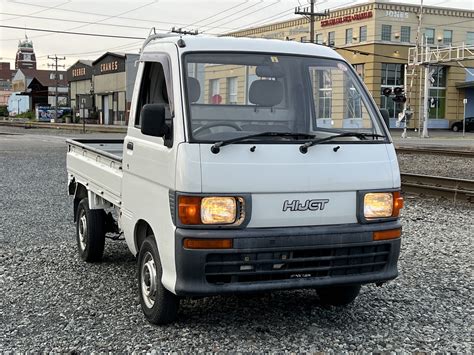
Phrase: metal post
(425, 102)
(311, 25)
(464, 118)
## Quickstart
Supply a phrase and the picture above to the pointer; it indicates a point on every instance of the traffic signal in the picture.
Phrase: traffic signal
(387, 92)
(399, 95)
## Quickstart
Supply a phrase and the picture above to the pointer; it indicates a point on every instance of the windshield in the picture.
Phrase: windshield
(232, 95)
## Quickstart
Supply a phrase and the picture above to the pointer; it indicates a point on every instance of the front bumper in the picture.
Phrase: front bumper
(286, 258)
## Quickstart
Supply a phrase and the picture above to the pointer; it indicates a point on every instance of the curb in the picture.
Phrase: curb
(66, 126)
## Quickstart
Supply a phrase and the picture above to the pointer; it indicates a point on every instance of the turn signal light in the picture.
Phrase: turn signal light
(387, 234)
(189, 209)
(397, 204)
(207, 243)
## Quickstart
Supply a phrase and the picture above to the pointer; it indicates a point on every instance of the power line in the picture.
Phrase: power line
(153, 21)
(228, 18)
(219, 13)
(107, 17)
(71, 33)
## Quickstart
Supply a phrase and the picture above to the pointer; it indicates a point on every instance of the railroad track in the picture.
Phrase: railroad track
(455, 189)
(436, 151)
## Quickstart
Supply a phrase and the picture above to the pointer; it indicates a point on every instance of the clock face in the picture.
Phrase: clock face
(26, 56)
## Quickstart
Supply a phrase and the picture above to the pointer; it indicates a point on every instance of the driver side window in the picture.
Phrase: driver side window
(153, 90)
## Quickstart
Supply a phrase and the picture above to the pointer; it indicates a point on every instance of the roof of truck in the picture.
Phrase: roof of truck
(244, 44)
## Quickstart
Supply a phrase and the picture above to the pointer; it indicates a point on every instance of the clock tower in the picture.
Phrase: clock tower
(25, 55)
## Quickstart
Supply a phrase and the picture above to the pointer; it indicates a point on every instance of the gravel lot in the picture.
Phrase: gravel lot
(440, 165)
(52, 301)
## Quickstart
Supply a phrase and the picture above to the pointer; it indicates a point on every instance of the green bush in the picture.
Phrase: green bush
(28, 114)
(3, 111)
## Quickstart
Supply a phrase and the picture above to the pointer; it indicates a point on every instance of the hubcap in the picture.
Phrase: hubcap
(148, 280)
(82, 230)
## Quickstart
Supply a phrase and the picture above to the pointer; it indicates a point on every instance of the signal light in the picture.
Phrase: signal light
(387, 92)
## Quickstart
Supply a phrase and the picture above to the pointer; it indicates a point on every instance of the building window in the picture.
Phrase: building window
(437, 93)
(61, 77)
(392, 77)
(359, 68)
(386, 32)
(470, 39)
(405, 34)
(447, 37)
(362, 33)
(429, 35)
(232, 91)
(51, 76)
(319, 38)
(331, 39)
(214, 91)
(348, 35)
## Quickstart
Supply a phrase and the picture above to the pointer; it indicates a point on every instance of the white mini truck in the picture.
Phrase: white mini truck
(249, 165)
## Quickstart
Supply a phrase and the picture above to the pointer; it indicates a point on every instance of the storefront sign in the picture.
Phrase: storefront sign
(400, 15)
(78, 72)
(348, 18)
(110, 66)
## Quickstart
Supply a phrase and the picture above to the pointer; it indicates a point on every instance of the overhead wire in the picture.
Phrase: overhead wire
(151, 21)
(218, 13)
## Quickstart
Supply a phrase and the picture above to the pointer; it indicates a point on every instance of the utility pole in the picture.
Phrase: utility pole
(56, 76)
(310, 14)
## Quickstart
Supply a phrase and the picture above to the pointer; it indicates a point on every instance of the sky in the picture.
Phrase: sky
(135, 19)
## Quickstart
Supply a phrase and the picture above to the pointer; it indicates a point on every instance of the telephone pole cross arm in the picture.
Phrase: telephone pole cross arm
(310, 15)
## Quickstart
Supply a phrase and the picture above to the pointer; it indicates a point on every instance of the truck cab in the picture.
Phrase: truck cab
(248, 165)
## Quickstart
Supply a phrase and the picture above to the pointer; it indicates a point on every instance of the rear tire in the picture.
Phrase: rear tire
(90, 232)
(338, 295)
(159, 305)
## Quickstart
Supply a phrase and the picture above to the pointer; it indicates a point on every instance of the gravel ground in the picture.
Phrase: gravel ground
(52, 301)
(439, 165)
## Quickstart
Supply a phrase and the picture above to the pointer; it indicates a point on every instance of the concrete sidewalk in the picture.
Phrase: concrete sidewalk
(438, 138)
(65, 126)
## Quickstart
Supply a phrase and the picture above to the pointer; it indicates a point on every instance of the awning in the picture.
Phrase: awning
(465, 84)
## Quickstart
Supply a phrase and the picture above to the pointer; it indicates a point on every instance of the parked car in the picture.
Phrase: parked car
(457, 126)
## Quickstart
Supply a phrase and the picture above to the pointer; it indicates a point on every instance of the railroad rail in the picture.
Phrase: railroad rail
(455, 189)
(436, 151)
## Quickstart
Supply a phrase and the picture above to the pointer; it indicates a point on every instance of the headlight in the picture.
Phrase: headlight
(211, 210)
(382, 204)
(218, 210)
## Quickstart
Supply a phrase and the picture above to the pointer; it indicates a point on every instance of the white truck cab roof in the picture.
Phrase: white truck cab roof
(240, 44)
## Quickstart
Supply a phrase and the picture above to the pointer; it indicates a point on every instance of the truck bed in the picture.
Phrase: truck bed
(97, 164)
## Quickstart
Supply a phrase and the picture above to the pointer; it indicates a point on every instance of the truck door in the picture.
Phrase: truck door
(149, 164)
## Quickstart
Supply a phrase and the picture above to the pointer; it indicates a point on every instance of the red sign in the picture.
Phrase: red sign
(348, 18)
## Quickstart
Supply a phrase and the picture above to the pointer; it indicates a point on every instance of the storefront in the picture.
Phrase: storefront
(79, 77)
(113, 81)
(375, 38)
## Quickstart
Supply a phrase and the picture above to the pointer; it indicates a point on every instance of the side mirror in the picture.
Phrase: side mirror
(152, 118)
(385, 116)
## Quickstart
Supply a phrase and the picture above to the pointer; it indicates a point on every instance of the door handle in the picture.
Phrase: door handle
(130, 145)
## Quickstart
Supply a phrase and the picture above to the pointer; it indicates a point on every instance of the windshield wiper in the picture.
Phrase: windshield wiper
(362, 136)
(216, 147)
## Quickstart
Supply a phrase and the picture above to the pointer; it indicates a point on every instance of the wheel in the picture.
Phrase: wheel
(159, 305)
(338, 295)
(90, 232)
(217, 124)
(455, 128)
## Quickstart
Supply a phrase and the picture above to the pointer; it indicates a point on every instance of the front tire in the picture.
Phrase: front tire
(159, 305)
(90, 232)
(338, 295)
(455, 128)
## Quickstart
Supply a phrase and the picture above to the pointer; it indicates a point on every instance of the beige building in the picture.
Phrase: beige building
(375, 37)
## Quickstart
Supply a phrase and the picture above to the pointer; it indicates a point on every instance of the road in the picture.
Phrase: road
(52, 301)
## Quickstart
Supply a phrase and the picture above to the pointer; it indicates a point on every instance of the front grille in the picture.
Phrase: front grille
(271, 265)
